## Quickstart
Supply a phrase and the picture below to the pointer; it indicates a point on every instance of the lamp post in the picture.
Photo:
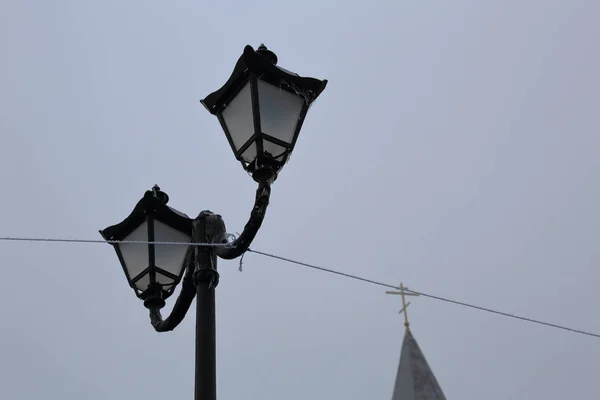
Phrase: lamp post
(261, 109)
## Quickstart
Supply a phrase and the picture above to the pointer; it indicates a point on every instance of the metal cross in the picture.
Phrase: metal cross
(403, 293)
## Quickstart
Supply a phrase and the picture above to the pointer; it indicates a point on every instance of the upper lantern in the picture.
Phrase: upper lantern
(152, 269)
(261, 109)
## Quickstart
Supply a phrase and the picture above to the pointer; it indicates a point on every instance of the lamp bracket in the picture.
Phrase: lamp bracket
(203, 275)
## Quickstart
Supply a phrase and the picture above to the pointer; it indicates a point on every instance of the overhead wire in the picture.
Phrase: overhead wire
(59, 240)
(318, 268)
(431, 296)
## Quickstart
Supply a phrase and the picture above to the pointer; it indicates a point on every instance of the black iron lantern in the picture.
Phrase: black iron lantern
(152, 270)
(261, 109)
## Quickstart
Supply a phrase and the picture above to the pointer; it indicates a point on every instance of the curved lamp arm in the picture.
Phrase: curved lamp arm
(242, 242)
(235, 249)
(181, 306)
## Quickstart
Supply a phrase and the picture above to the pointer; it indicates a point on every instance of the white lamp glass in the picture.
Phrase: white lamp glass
(238, 117)
(279, 111)
(168, 257)
(135, 256)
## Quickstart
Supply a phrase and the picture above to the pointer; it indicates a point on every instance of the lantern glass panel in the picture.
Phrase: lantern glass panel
(250, 153)
(169, 257)
(144, 281)
(166, 256)
(275, 150)
(135, 256)
(279, 111)
(239, 118)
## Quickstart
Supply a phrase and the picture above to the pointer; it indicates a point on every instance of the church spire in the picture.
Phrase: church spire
(414, 379)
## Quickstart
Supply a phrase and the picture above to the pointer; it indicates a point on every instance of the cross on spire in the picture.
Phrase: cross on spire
(402, 292)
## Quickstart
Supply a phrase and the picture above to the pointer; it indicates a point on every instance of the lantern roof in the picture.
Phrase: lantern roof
(154, 203)
(262, 63)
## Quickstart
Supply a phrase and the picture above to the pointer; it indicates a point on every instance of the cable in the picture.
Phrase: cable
(56, 240)
(323, 269)
(447, 300)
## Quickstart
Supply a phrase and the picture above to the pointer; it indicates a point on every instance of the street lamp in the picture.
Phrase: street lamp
(261, 109)
(152, 270)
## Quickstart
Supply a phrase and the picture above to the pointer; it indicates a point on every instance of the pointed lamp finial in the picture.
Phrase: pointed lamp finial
(262, 49)
(159, 194)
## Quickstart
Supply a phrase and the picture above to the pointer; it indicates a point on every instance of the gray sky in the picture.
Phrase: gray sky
(454, 149)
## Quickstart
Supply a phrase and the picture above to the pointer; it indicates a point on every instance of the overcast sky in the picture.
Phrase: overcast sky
(455, 149)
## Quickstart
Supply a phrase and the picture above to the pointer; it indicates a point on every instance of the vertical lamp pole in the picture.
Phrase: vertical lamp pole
(206, 279)
(261, 109)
